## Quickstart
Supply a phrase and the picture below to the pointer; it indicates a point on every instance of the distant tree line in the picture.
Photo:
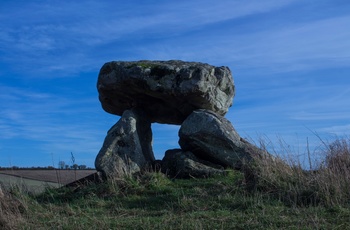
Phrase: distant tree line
(61, 165)
(65, 167)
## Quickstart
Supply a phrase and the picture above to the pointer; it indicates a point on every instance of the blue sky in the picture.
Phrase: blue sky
(290, 61)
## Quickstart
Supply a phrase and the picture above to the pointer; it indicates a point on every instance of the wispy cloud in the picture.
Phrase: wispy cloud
(320, 43)
(338, 130)
(56, 36)
(319, 116)
(56, 123)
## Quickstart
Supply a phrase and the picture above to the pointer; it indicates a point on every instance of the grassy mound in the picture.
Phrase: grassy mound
(271, 194)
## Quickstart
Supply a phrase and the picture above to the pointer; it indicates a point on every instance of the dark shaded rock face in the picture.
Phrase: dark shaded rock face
(179, 164)
(167, 91)
(127, 148)
(211, 137)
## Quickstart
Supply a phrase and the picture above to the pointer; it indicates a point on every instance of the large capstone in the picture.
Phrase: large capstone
(167, 91)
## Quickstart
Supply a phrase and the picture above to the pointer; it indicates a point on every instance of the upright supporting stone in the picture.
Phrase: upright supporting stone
(127, 148)
(211, 137)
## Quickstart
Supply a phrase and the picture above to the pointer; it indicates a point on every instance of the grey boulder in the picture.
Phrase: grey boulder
(211, 137)
(168, 91)
(179, 164)
(127, 148)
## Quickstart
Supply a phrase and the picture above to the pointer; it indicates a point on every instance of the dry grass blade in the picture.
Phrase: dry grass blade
(11, 210)
(287, 179)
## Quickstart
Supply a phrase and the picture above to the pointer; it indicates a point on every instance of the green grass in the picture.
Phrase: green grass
(156, 202)
(270, 194)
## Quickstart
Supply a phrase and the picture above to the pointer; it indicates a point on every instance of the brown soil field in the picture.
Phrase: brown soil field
(24, 184)
(56, 176)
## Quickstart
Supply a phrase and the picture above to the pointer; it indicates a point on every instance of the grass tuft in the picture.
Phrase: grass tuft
(288, 181)
(12, 205)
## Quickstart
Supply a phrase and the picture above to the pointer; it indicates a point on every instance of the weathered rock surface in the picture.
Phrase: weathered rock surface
(127, 148)
(179, 164)
(168, 91)
(211, 137)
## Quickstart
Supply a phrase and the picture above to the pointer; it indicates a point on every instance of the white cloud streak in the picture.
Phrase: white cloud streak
(61, 35)
(56, 123)
(301, 46)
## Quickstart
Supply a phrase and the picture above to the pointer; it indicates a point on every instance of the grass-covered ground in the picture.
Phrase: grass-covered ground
(271, 194)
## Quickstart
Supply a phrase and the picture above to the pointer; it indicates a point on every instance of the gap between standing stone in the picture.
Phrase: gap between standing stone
(165, 137)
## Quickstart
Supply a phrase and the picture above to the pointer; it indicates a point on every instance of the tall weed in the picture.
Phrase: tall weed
(286, 179)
